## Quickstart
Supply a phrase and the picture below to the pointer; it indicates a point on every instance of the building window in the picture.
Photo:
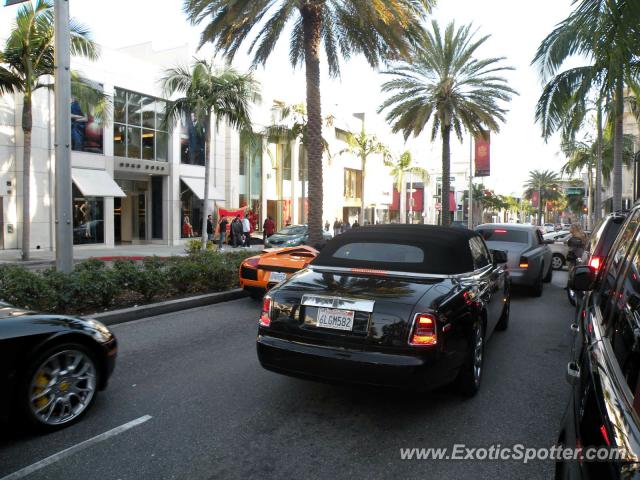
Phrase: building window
(139, 130)
(88, 218)
(286, 162)
(250, 168)
(86, 131)
(191, 208)
(192, 141)
(352, 183)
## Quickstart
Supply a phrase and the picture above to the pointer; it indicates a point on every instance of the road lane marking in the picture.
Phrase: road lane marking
(75, 449)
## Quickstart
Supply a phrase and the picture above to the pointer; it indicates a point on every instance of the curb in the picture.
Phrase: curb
(135, 313)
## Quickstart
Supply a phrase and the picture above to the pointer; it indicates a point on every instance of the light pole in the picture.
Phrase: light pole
(470, 196)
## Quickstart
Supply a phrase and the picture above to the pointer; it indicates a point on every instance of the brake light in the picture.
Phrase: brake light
(424, 330)
(252, 262)
(265, 315)
(500, 231)
(524, 262)
(595, 263)
(605, 435)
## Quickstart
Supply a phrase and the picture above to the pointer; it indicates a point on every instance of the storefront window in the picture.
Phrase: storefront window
(352, 183)
(88, 218)
(191, 217)
(86, 130)
(131, 111)
(192, 141)
(251, 175)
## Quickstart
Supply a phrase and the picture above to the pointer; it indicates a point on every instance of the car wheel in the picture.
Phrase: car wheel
(549, 275)
(59, 386)
(503, 323)
(557, 261)
(536, 289)
(470, 376)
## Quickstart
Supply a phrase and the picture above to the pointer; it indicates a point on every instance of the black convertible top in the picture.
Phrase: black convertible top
(445, 251)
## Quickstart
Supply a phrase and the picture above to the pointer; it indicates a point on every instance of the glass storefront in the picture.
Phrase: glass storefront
(139, 130)
(88, 218)
(250, 170)
(86, 130)
(191, 213)
(192, 141)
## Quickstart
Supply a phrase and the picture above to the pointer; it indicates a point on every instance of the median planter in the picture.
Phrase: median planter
(94, 286)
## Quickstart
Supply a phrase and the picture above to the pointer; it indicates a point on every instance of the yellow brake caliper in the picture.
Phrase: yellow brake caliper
(41, 381)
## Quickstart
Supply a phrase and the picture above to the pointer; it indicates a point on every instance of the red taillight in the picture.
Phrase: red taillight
(265, 315)
(595, 263)
(605, 435)
(524, 262)
(499, 231)
(252, 262)
(424, 330)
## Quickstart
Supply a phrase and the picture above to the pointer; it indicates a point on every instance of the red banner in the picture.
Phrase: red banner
(534, 199)
(483, 154)
(230, 214)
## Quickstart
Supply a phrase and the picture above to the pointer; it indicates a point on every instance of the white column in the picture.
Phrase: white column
(295, 189)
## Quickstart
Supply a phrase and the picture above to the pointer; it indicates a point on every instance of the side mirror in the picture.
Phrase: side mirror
(582, 278)
(499, 256)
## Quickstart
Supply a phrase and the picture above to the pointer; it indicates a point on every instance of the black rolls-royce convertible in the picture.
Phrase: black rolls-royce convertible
(392, 305)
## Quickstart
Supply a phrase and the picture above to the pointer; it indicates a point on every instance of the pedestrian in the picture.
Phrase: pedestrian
(268, 228)
(187, 229)
(236, 228)
(576, 243)
(246, 231)
(223, 232)
(336, 227)
(209, 228)
(346, 226)
(355, 224)
(327, 226)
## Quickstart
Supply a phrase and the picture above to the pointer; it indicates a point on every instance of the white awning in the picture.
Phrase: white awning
(95, 183)
(197, 187)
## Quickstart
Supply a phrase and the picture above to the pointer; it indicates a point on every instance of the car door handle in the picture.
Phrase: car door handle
(575, 328)
(573, 373)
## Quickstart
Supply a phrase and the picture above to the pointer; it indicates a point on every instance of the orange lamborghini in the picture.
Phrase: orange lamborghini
(258, 274)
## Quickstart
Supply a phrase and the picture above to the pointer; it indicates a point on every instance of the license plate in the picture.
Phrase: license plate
(335, 318)
(277, 277)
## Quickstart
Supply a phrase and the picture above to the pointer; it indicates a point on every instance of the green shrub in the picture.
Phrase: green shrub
(184, 273)
(26, 289)
(152, 278)
(94, 285)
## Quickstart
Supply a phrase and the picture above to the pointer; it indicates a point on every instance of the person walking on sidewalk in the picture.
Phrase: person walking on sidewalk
(223, 232)
(210, 228)
(236, 229)
(268, 228)
(246, 231)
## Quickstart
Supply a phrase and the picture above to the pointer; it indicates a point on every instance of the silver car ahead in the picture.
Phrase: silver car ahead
(528, 254)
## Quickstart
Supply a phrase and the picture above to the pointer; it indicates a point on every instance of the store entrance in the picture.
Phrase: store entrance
(130, 212)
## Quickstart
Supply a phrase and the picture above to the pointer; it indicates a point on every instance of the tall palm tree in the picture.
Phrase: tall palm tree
(362, 145)
(26, 66)
(445, 83)
(400, 168)
(378, 29)
(545, 184)
(209, 94)
(606, 33)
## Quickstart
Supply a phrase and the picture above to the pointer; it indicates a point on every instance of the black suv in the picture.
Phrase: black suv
(604, 405)
(603, 235)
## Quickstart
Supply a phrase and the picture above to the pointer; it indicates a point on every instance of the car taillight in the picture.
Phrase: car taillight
(595, 263)
(424, 330)
(252, 262)
(265, 315)
(524, 262)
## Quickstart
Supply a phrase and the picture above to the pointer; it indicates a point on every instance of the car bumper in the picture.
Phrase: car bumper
(423, 370)
(111, 352)
(523, 276)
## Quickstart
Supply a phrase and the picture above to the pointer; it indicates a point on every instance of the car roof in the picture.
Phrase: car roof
(509, 226)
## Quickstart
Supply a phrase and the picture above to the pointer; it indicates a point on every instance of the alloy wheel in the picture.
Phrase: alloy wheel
(62, 387)
(556, 262)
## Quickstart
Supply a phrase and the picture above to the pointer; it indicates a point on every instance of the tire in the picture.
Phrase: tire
(470, 376)
(79, 396)
(503, 323)
(536, 289)
(557, 261)
(549, 275)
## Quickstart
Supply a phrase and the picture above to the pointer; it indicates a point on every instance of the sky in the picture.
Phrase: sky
(516, 29)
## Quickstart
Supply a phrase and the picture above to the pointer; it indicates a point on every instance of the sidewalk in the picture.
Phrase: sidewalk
(44, 258)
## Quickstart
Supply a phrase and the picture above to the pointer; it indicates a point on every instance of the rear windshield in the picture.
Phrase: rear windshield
(504, 235)
(602, 241)
(380, 252)
(296, 230)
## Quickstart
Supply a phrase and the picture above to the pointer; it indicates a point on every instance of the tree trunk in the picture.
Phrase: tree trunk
(589, 198)
(27, 124)
(539, 206)
(207, 175)
(362, 203)
(445, 215)
(617, 146)
(598, 195)
(403, 199)
(311, 24)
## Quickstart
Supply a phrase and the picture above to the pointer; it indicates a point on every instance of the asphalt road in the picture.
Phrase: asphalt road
(215, 413)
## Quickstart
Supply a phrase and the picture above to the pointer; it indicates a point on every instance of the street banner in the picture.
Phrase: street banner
(231, 213)
(534, 199)
(483, 154)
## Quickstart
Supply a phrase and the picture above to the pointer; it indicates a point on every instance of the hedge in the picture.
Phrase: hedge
(94, 285)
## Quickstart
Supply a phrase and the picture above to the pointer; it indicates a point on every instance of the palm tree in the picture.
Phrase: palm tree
(377, 29)
(399, 170)
(444, 82)
(545, 184)
(26, 66)
(362, 145)
(605, 32)
(209, 94)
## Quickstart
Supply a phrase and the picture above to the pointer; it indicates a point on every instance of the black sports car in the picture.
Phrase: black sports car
(397, 305)
(51, 366)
